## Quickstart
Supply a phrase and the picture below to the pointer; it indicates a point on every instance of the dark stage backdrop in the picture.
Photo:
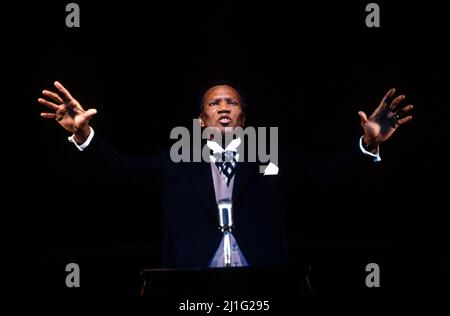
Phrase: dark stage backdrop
(306, 67)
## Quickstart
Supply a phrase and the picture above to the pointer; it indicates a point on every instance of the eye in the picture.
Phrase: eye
(232, 102)
(212, 103)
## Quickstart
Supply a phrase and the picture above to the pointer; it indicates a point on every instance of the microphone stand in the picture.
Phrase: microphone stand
(226, 226)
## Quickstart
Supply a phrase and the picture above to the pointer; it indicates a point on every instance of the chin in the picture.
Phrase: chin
(224, 128)
(227, 129)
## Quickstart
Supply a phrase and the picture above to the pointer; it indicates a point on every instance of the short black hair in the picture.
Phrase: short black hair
(201, 98)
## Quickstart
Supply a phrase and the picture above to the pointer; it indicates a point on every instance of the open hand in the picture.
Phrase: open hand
(385, 120)
(68, 112)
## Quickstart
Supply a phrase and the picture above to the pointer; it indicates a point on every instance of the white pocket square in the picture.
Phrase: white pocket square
(271, 169)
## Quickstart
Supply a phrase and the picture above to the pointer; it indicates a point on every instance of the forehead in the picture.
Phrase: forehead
(221, 91)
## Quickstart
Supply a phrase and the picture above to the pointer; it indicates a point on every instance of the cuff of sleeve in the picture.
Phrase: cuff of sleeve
(376, 157)
(85, 144)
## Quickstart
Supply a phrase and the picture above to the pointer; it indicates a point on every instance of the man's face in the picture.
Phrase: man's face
(222, 108)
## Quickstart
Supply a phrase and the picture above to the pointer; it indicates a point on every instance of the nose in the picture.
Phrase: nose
(224, 107)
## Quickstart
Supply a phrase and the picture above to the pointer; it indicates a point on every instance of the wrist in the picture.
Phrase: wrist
(81, 135)
(370, 144)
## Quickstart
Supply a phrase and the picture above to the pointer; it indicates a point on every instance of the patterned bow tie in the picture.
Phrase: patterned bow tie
(226, 163)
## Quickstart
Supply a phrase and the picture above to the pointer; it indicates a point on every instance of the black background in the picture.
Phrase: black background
(307, 67)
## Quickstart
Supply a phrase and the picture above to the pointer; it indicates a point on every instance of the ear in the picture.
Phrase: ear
(200, 120)
(243, 119)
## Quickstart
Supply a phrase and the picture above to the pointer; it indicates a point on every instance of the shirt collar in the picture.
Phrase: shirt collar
(216, 148)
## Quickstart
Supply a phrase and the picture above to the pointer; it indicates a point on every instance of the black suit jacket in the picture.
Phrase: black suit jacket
(190, 209)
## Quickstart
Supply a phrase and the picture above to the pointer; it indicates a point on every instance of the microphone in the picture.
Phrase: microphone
(225, 215)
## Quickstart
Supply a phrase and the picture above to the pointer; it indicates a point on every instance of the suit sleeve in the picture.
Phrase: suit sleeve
(344, 166)
(100, 155)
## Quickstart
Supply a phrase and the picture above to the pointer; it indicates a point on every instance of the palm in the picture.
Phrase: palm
(385, 120)
(381, 125)
(68, 111)
(71, 117)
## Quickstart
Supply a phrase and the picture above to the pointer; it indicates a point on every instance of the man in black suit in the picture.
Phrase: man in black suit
(192, 192)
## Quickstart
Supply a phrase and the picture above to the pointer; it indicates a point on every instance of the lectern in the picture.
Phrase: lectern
(243, 281)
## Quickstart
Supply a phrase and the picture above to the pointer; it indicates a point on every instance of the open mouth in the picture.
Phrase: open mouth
(225, 120)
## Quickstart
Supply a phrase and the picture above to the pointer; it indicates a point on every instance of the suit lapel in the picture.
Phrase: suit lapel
(244, 172)
(200, 174)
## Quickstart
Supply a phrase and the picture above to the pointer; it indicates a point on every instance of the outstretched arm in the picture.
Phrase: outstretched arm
(69, 113)
(384, 121)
